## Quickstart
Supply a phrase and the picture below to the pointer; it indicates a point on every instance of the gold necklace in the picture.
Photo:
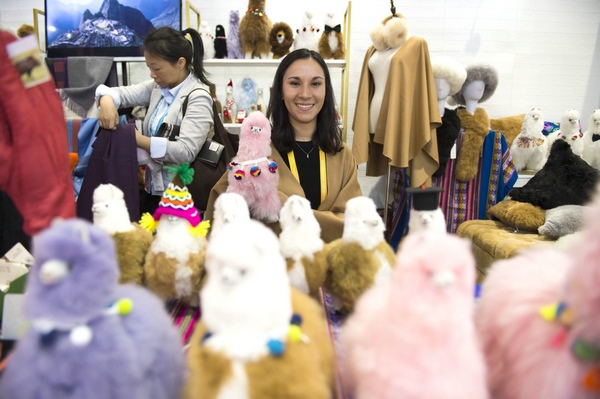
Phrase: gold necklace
(302, 149)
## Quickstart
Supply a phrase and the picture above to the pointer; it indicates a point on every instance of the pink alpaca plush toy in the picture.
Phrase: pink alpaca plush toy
(251, 173)
(539, 321)
(414, 336)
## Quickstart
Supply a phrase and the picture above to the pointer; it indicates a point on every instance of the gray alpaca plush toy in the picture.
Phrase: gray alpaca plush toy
(90, 337)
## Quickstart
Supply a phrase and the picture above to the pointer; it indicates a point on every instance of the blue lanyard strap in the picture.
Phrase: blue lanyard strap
(162, 118)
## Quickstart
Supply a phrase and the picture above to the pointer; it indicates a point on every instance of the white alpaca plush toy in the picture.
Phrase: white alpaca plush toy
(301, 245)
(529, 149)
(591, 141)
(109, 213)
(426, 213)
(229, 208)
(208, 40)
(308, 35)
(569, 131)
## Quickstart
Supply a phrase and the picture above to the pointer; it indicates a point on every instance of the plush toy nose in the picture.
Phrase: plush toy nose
(255, 129)
(442, 279)
(52, 271)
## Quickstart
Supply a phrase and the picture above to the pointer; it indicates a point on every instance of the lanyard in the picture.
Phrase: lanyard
(322, 171)
(154, 129)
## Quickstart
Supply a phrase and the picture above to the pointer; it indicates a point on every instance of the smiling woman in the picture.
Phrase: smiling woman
(313, 160)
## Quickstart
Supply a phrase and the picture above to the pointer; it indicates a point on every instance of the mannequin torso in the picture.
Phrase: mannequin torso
(472, 93)
(379, 66)
(443, 89)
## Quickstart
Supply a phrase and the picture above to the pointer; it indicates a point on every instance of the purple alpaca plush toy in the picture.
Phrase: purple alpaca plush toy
(234, 47)
(90, 337)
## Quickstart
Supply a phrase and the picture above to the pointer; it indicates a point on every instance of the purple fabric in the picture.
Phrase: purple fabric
(113, 160)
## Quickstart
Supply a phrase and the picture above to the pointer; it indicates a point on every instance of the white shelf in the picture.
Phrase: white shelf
(255, 62)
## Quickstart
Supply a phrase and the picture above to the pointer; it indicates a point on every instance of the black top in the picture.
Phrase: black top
(308, 170)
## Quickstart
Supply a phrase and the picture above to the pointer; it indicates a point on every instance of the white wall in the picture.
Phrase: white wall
(547, 52)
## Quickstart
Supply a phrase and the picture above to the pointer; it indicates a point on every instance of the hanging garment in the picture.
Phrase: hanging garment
(113, 160)
(33, 140)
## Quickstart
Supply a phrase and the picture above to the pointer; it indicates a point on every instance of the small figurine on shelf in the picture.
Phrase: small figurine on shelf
(246, 96)
(234, 48)
(220, 42)
(260, 102)
(331, 43)
(230, 109)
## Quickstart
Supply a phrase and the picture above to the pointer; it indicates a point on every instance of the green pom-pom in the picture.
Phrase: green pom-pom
(185, 172)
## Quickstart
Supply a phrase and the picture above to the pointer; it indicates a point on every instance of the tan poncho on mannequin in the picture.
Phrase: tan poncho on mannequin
(405, 136)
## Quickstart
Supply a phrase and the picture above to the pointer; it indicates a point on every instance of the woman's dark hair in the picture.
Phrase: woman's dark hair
(170, 44)
(328, 135)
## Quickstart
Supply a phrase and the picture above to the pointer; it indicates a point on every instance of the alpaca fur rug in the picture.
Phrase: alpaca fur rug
(476, 127)
(565, 179)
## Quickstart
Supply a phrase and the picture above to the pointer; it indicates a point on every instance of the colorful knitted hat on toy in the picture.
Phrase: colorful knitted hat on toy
(177, 201)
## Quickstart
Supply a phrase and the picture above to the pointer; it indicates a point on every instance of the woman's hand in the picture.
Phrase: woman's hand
(108, 117)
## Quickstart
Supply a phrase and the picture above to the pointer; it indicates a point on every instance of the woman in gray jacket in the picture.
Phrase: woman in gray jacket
(176, 69)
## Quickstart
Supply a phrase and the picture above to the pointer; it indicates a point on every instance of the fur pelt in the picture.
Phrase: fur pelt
(301, 245)
(510, 126)
(569, 131)
(392, 32)
(234, 48)
(79, 346)
(449, 69)
(255, 28)
(220, 42)
(529, 149)
(447, 133)
(331, 43)
(109, 212)
(487, 74)
(476, 129)
(281, 39)
(252, 173)
(430, 295)
(591, 141)
(307, 36)
(247, 301)
(530, 344)
(565, 179)
(208, 40)
(361, 258)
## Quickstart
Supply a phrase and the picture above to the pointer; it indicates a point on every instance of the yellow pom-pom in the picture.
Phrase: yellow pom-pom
(548, 312)
(201, 230)
(124, 306)
(295, 333)
(148, 223)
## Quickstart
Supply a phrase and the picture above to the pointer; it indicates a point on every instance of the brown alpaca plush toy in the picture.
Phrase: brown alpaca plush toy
(331, 43)
(255, 28)
(281, 39)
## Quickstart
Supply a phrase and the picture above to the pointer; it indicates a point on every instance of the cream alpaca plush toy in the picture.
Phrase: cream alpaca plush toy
(361, 258)
(569, 132)
(258, 337)
(307, 36)
(591, 141)
(251, 173)
(208, 40)
(414, 336)
(301, 245)
(174, 265)
(109, 213)
(529, 149)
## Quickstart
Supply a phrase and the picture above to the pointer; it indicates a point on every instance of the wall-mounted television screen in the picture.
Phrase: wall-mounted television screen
(114, 28)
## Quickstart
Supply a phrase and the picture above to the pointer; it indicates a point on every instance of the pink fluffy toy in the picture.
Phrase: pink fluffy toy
(539, 321)
(414, 337)
(251, 173)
